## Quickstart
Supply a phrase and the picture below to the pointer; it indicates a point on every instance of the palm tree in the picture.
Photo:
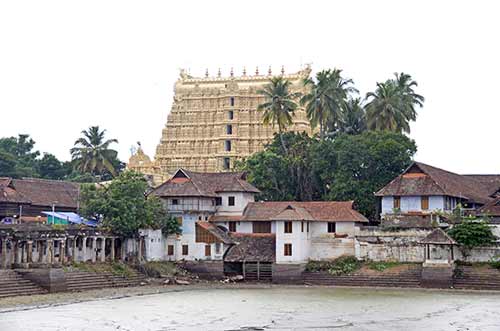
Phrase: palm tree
(392, 105)
(353, 117)
(326, 98)
(279, 106)
(91, 152)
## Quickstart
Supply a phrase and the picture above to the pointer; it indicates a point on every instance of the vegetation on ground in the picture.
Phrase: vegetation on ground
(115, 268)
(123, 207)
(382, 266)
(343, 265)
(347, 167)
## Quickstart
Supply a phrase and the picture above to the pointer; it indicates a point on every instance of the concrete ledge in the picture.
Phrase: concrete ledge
(288, 273)
(51, 279)
(437, 275)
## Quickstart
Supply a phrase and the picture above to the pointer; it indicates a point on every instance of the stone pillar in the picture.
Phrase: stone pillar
(23, 253)
(29, 251)
(112, 251)
(139, 250)
(84, 249)
(103, 250)
(17, 253)
(3, 258)
(62, 251)
(73, 249)
(94, 249)
(50, 251)
(40, 246)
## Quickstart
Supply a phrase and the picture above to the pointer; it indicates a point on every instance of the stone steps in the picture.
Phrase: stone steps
(477, 279)
(13, 284)
(82, 280)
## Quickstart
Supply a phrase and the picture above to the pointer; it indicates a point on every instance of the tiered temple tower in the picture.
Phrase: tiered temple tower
(214, 122)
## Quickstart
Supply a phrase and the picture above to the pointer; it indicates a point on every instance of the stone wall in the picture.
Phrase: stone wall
(205, 269)
(288, 273)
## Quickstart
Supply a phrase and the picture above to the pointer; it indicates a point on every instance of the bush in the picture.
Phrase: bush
(343, 265)
(471, 233)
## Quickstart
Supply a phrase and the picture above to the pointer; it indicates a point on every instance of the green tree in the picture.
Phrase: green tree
(353, 120)
(472, 233)
(92, 154)
(123, 206)
(18, 156)
(50, 167)
(392, 105)
(326, 99)
(279, 106)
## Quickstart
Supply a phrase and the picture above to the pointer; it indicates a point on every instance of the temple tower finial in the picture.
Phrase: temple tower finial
(269, 72)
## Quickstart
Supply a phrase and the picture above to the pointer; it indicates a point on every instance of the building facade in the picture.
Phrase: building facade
(214, 122)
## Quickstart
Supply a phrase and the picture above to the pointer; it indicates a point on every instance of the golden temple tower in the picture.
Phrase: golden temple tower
(214, 121)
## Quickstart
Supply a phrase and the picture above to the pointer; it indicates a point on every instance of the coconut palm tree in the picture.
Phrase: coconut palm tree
(279, 106)
(326, 98)
(91, 153)
(392, 105)
(353, 119)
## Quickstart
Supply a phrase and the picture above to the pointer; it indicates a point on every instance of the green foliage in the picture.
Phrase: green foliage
(382, 266)
(350, 167)
(343, 265)
(472, 233)
(59, 227)
(116, 268)
(495, 264)
(91, 154)
(123, 206)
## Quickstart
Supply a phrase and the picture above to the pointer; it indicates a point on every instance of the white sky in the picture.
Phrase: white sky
(66, 65)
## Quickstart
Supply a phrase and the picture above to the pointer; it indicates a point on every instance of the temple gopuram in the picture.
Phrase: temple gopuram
(214, 122)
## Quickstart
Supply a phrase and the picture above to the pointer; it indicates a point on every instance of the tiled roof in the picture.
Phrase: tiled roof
(252, 247)
(475, 188)
(206, 184)
(334, 211)
(41, 192)
(492, 208)
(216, 231)
(225, 218)
(439, 237)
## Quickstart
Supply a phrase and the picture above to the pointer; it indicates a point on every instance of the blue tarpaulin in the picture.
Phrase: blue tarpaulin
(70, 217)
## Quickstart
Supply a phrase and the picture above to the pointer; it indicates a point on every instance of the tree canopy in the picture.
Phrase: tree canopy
(123, 206)
(349, 167)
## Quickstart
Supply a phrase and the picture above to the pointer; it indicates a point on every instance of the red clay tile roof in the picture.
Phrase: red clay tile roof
(475, 188)
(206, 184)
(333, 211)
(40, 192)
(225, 218)
(492, 208)
(438, 236)
(216, 231)
(252, 247)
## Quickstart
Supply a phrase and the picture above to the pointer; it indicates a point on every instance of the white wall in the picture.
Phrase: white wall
(241, 199)
(412, 203)
(299, 239)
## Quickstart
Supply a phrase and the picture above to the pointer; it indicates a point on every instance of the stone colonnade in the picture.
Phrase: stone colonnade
(27, 252)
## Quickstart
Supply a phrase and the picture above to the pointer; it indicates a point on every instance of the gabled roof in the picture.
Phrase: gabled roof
(216, 231)
(438, 237)
(40, 192)
(333, 211)
(492, 208)
(423, 179)
(252, 247)
(204, 184)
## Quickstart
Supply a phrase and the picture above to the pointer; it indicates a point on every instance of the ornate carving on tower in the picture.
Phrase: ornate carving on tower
(214, 122)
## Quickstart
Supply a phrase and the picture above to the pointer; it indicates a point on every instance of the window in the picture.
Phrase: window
(331, 227)
(232, 226)
(218, 201)
(206, 218)
(302, 226)
(185, 249)
(175, 202)
(261, 227)
(208, 250)
(217, 248)
(170, 250)
(227, 163)
(229, 129)
(199, 218)
(288, 250)
(307, 226)
(424, 203)
(397, 202)
(230, 115)
(288, 227)
(231, 101)
(230, 201)
(227, 145)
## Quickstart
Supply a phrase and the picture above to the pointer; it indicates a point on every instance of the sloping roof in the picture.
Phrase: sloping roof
(225, 218)
(334, 211)
(252, 247)
(206, 184)
(438, 237)
(41, 192)
(435, 181)
(216, 231)
(492, 208)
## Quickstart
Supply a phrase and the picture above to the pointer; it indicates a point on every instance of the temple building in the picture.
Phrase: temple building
(214, 122)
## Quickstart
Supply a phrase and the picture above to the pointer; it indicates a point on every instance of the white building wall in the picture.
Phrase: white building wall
(325, 246)
(241, 199)
(436, 202)
(412, 203)
(299, 239)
